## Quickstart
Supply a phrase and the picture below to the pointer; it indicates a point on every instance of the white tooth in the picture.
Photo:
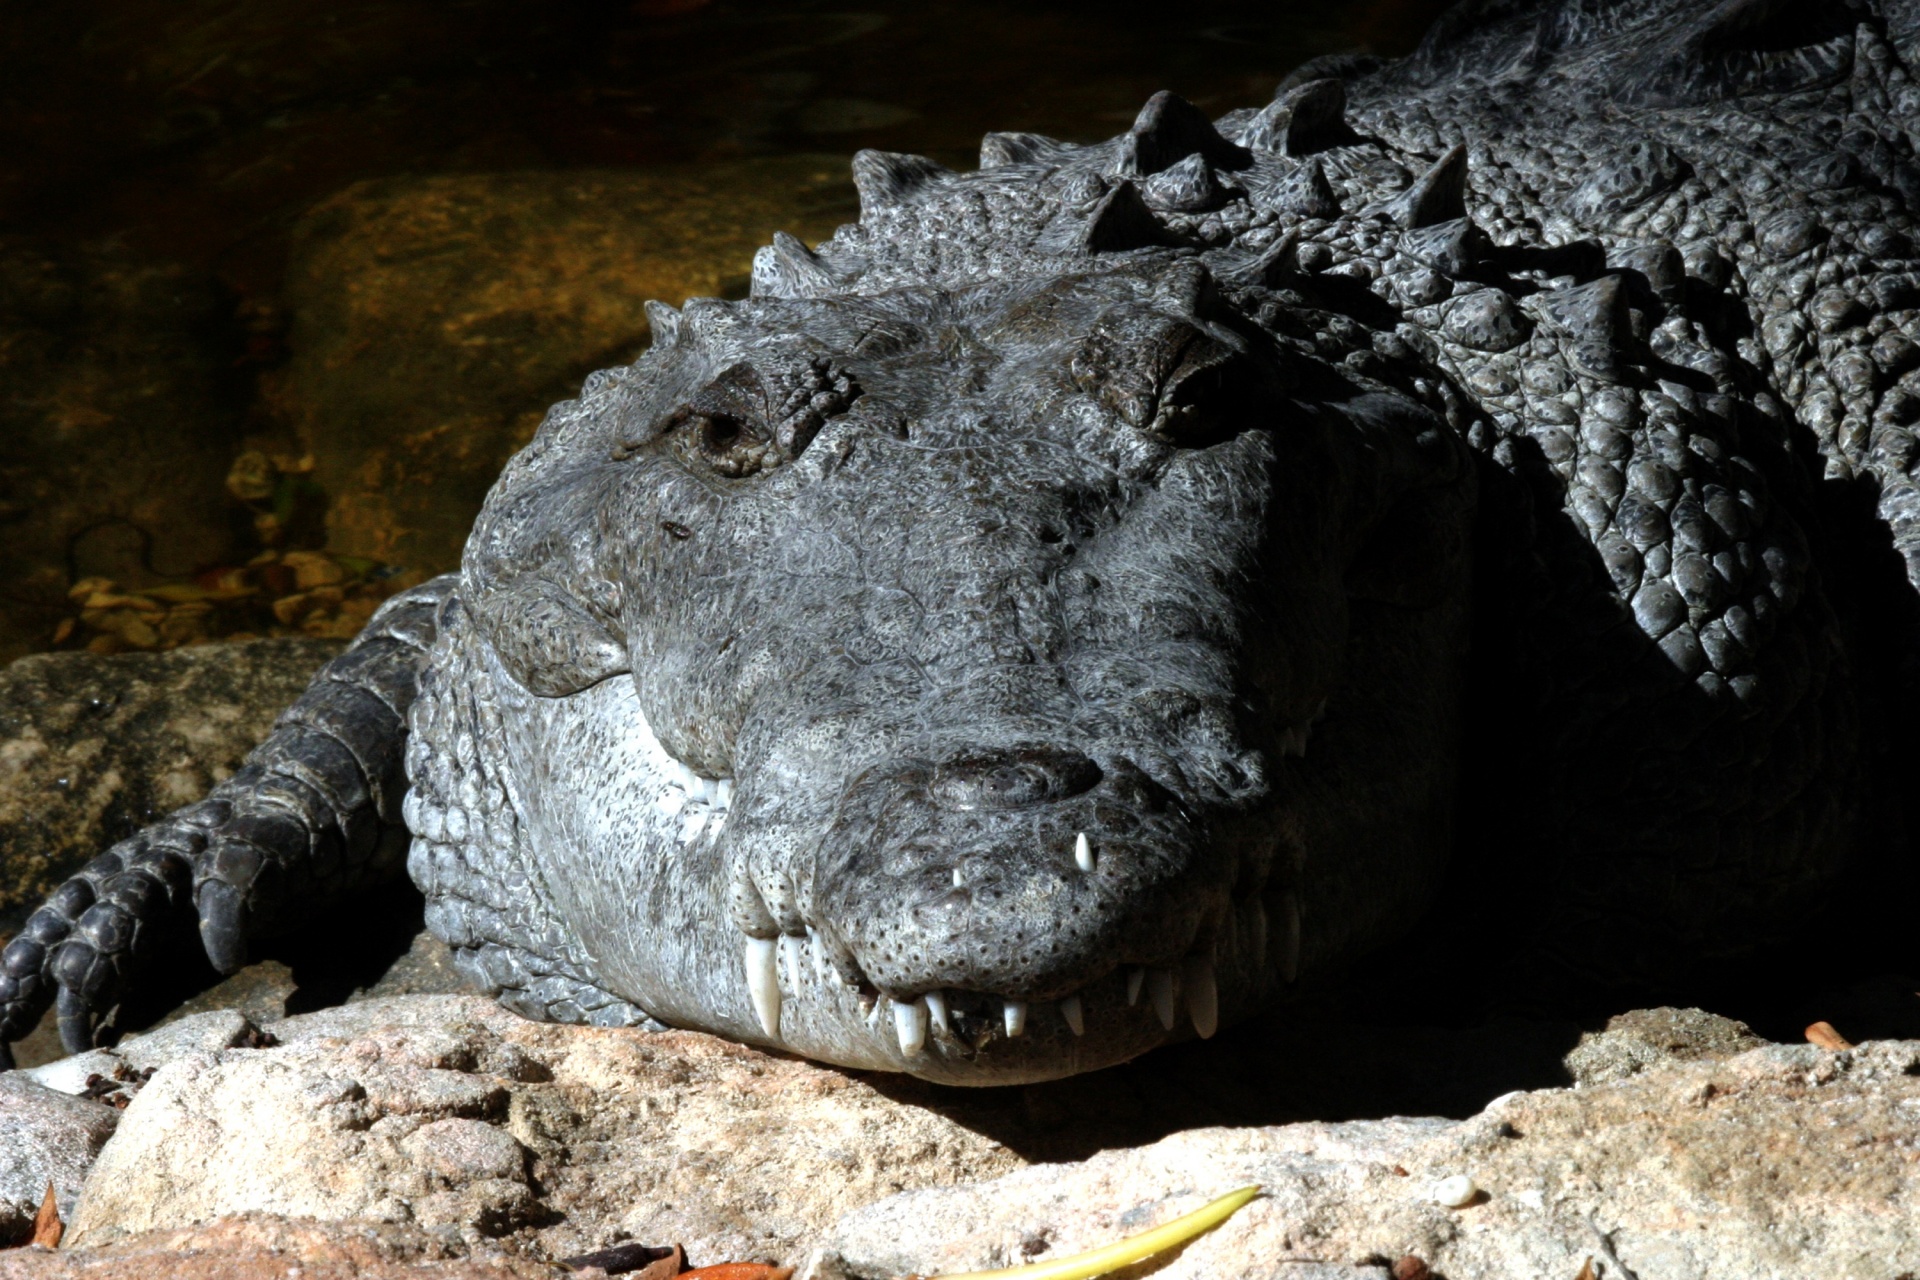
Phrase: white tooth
(1082, 852)
(1135, 977)
(702, 790)
(937, 1008)
(723, 793)
(793, 951)
(763, 982)
(695, 823)
(1074, 1016)
(910, 1024)
(956, 877)
(1290, 939)
(873, 1015)
(1015, 1016)
(1203, 996)
(1160, 992)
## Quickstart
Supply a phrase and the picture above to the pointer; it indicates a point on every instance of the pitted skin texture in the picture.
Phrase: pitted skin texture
(1075, 603)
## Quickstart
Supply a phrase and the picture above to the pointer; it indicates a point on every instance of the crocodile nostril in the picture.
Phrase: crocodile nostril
(1011, 778)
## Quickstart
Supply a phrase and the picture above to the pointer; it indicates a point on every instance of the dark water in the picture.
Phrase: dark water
(171, 429)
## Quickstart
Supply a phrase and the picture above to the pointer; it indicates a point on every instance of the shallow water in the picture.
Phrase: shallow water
(221, 345)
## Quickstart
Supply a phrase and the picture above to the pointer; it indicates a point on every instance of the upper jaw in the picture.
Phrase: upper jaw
(988, 944)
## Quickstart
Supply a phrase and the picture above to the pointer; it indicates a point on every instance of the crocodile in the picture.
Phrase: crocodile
(1089, 596)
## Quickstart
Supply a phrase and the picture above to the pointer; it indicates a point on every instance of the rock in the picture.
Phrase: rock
(1634, 1041)
(120, 417)
(1782, 1161)
(265, 1248)
(139, 1056)
(435, 319)
(92, 748)
(448, 1113)
(45, 1136)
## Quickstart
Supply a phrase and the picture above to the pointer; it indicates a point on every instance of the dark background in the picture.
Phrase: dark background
(200, 130)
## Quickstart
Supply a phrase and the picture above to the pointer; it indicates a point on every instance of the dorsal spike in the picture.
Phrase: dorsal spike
(1122, 221)
(1274, 264)
(1595, 311)
(1187, 187)
(1307, 192)
(663, 323)
(1167, 131)
(1302, 120)
(887, 178)
(788, 269)
(1452, 248)
(1438, 195)
(997, 149)
(1190, 287)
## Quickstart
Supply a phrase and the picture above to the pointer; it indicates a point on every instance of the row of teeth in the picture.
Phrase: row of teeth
(1164, 989)
(700, 804)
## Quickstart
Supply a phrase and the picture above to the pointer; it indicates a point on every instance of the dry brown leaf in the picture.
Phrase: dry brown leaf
(1823, 1034)
(47, 1227)
(1586, 1270)
(636, 1261)
(739, 1271)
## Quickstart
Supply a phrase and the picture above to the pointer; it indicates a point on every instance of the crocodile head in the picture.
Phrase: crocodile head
(960, 654)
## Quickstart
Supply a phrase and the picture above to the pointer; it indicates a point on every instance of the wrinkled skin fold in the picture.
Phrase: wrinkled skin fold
(1090, 596)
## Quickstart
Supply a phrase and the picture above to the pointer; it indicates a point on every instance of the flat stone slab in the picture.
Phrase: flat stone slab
(46, 1137)
(433, 1131)
(259, 1247)
(1781, 1162)
(450, 1114)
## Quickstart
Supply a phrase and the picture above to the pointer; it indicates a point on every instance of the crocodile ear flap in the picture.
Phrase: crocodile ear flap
(531, 584)
(548, 640)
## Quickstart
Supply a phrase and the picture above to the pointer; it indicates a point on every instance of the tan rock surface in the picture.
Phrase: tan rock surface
(435, 319)
(1781, 1162)
(449, 1113)
(264, 1248)
(46, 1137)
(93, 748)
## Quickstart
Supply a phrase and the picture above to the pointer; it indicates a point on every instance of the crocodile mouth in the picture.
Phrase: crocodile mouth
(935, 932)
(796, 968)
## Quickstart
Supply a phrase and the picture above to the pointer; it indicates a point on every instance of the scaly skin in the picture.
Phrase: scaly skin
(1036, 624)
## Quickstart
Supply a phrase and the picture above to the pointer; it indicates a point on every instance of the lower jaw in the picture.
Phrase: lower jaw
(966, 1038)
(856, 1033)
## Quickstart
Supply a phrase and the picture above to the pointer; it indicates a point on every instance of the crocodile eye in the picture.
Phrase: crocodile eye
(748, 420)
(720, 433)
(1167, 378)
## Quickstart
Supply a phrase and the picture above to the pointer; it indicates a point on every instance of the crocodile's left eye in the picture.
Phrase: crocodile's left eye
(1167, 377)
(747, 419)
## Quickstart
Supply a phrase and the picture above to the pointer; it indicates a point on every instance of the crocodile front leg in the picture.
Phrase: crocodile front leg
(314, 813)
